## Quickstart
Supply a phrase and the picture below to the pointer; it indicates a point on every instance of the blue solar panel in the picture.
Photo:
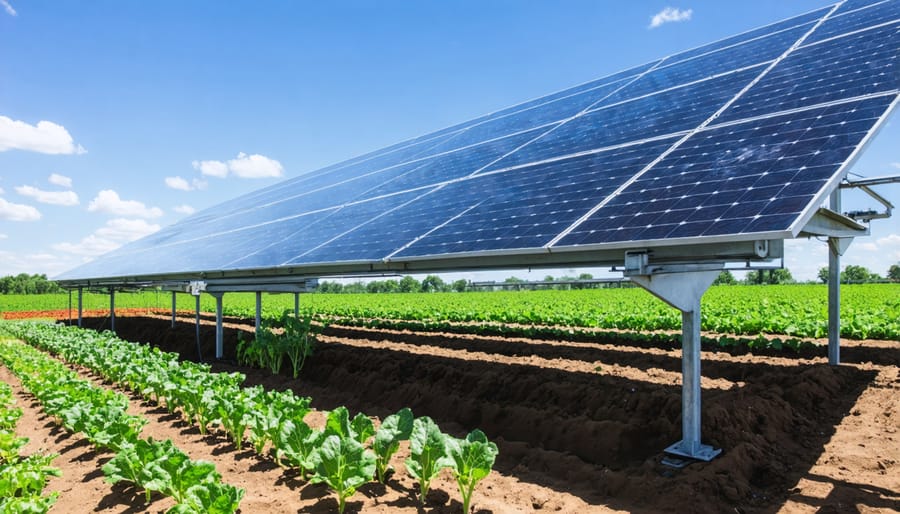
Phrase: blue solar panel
(720, 181)
(735, 140)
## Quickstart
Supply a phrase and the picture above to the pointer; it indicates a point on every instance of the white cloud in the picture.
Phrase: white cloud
(60, 180)
(1, 191)
(18, 212)
(185, 209)
(45, 137)
(255, 166)
(670, 15)
(66, 198)
(216, 169)
(4, 236)
(182, 184)
(114, 234)
(178, 183)
(896, 164)
(8, 8)
(108, 201)
(243, 166)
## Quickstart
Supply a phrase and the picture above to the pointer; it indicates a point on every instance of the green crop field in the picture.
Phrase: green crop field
(867, 311)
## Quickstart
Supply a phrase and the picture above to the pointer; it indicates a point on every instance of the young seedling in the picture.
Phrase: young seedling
(428, 449)
(344, 465)
(473, 458)
(395, 428)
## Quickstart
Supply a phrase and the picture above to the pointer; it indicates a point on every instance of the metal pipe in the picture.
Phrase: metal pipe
(197, 329)
(112, 309)
(258, 310)
(834, 290)
(173, 309)
(80, 294)
(70, 307)
(296, 305)
(690, 387)
(219, 338)
(834, 302)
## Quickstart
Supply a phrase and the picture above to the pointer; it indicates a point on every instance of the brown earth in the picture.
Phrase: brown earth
(580, 425)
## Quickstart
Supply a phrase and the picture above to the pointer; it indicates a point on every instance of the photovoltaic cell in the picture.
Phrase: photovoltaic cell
(750, 177)
(734, 140)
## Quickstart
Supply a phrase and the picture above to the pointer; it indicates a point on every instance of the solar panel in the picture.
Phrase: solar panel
(737, 140)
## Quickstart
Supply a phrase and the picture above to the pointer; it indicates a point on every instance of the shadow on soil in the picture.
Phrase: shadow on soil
(592, 435)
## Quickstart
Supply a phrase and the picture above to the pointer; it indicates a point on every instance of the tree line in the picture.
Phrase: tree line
(24, 283)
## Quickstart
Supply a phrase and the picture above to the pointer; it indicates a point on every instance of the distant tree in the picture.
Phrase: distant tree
(894, 272)
(823, 274)
(410, 285)
(513, 280)
(858, 275)
(24, 283)
(772, 276)
(433, 284)
(460, 285)
(548, 278)
(354, 287)
(725, 278)
(585, 276)
(330, 287)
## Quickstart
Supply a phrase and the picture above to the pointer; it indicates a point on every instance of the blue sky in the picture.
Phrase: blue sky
(119, 118)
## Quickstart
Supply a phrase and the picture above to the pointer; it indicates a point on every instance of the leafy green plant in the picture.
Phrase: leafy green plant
(428, 454)
(297, 444)
(25, 479)
(394, 429)
(209, 498)
(344, 465)
(473, 458)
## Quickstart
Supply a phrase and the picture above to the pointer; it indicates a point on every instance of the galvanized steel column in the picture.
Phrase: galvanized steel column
(173, 309)
(219, 343)
(258, 310)
(80, 291)
(112, 309)
(834, 289)
(197, 327)
(690, 376)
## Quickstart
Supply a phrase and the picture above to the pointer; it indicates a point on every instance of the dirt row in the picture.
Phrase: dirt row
(581, 425)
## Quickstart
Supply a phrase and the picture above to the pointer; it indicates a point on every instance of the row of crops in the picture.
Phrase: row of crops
(867, 310)
(22, 477)
(346, 454)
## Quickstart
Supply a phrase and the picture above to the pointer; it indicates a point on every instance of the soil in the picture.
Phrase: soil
(580, 425)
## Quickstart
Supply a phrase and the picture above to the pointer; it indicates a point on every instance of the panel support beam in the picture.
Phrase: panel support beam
(80, 304)
(258, 311)
(683, 290)
(197, 326)
(296, 305)
(112, 309)
(173, 309)
(219, 330)
(836, 247)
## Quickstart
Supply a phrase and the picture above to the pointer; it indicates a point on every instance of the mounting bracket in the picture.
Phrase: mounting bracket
(681, 286)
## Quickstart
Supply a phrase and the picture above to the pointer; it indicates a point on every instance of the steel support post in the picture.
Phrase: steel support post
(70, 307)
(258, 310)
(173, 309)
(197, 327)
(112, 309)
(834, 289)
(219, 338)
(296, 305)
(683, 291)
(80, 295)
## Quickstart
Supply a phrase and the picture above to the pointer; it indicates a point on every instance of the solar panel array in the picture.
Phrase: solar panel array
(737, 140)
